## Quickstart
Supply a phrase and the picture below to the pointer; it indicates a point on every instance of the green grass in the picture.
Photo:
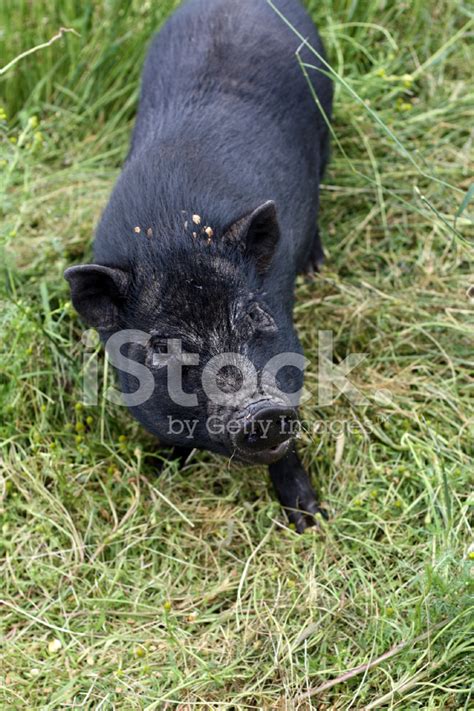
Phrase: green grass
(189, 590)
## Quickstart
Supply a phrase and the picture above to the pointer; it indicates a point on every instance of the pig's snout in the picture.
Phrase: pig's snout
(263, 432)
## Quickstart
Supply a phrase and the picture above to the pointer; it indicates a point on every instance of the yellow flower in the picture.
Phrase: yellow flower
(404, 105)
(33, 121)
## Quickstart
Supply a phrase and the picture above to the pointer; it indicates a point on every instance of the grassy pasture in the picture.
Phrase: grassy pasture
(120, 590)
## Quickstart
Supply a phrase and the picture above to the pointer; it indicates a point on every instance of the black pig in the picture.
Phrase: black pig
(213, 216)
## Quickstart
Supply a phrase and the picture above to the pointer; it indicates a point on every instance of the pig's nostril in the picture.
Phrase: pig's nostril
(286, 424)
(259, 430)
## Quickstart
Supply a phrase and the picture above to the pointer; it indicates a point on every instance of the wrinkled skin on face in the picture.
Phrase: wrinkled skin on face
(210, 311)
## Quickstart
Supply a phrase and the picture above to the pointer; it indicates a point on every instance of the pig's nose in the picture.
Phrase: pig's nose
(264, 432)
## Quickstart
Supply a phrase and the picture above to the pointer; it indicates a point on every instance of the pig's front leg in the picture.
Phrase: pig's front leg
(294, 490)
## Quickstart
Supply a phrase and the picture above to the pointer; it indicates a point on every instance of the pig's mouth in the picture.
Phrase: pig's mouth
(264, 456)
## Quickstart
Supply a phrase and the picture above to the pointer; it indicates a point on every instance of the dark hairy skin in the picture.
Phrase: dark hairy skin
(213, 216)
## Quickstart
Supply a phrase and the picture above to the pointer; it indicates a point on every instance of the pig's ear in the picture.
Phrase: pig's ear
(96, 292)
(256, 234)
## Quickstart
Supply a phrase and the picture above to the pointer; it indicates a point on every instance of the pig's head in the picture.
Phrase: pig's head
(197, 327)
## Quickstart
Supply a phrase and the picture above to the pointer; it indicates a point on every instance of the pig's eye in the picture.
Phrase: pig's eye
(258, 319)
(156, 347)
(159, 346)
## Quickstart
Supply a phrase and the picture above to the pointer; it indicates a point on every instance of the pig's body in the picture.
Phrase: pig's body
(226, 123)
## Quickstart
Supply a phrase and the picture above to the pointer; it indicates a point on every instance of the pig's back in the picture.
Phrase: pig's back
(214, 55)
(221, 87)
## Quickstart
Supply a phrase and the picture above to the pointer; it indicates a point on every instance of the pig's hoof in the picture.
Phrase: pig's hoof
(315, 259)
(308, 516)
(313, 267)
